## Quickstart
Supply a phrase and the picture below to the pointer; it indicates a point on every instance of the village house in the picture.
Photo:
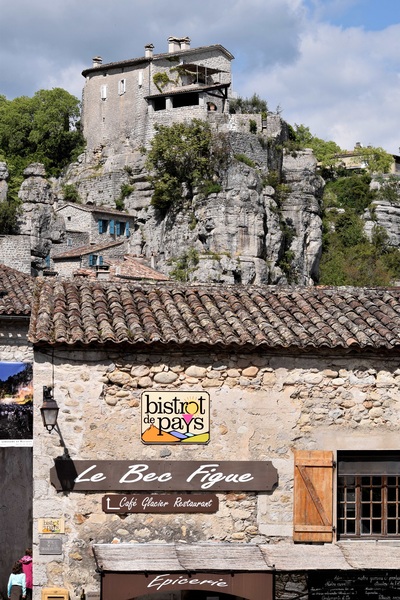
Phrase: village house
(123, 100)
(236, 440)
(353, 162)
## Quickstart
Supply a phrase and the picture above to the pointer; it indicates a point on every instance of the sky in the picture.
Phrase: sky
(332, 65)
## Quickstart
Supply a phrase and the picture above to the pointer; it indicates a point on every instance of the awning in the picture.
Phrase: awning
(215, 557)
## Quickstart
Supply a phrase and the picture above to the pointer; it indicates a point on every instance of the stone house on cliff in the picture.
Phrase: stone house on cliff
(123, 100)
(241, 441)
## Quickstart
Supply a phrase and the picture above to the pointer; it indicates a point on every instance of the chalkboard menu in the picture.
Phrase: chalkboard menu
(351, 585)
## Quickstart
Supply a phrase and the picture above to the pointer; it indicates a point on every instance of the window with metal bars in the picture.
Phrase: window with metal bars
(368, 495)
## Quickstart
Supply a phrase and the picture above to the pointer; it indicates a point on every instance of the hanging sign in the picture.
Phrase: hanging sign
(153, 476)
(160, 503)
(175, 417)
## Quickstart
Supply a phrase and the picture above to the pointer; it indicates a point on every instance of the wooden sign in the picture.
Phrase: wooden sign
(160, 503)
(50, 525)
(153, 476)
(175, 417)
(253, 586)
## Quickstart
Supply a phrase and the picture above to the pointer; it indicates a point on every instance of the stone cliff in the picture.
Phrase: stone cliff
(264, 226)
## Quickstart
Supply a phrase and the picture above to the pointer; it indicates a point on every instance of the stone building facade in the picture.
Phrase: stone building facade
(301, 383)
(123, 100)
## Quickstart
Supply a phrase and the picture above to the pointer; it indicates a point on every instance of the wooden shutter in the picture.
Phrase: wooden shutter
(313, 496)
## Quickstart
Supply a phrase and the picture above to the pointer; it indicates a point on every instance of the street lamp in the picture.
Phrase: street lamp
(49, 409)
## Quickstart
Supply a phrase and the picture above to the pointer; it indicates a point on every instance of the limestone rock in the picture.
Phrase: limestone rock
(3, 181)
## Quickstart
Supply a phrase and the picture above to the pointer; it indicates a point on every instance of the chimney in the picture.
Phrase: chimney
(97, 61)
(148, 50)
(173, 44)
(185, 43)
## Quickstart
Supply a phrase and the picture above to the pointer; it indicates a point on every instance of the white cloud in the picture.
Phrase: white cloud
(344, 85)
(341, 82)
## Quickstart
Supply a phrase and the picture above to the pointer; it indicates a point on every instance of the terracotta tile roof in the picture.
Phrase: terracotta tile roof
(91, 208)
(128, 268)
(88, 312)
(132, 268)
(83, 250)
(15, 292)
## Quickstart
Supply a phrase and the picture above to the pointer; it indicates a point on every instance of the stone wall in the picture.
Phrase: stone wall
(116, 119)
(15, 252)
(262, 408)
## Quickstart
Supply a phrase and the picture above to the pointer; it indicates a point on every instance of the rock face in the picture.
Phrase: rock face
(387, 216)
(3, 181)
(264, 226)
(38, 219)
(250, 232)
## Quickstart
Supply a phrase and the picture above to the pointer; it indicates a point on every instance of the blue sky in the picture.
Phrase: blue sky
(332, 65)
(372, 15)
(8, 368)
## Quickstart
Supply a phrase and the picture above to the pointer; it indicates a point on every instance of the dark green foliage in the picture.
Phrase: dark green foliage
(286, 260)
(126, 190)
(245, 159)
(325, 152)
(184, 265)
(348, 258)
(44, 128)
(349, 229)
(253, 105)
(253, 126)
(352, 192)
(181, 157)
(9, 211)
(376, 159)
(128, 169)
(70, 193)
(210, 187)
(389, 189)
(161, 80)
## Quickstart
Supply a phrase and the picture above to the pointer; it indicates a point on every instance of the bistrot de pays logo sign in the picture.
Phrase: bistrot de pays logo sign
(175, 417)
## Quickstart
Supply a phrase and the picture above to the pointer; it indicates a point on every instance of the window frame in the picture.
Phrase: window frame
(368, 495)
(121, 87)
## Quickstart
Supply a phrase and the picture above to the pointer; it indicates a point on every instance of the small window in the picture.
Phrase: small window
(95, 260)
(69, 242)
(121, 86)
(369, 495)
(103, 92)
(191, 99)
(159, 104)
(102, 224)
(120, 227)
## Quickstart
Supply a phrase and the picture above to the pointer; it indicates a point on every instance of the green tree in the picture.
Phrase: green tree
(376, 160)
(324, 151)
(181, 157)
(351, 192)
(44, 128)
(252, 105)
